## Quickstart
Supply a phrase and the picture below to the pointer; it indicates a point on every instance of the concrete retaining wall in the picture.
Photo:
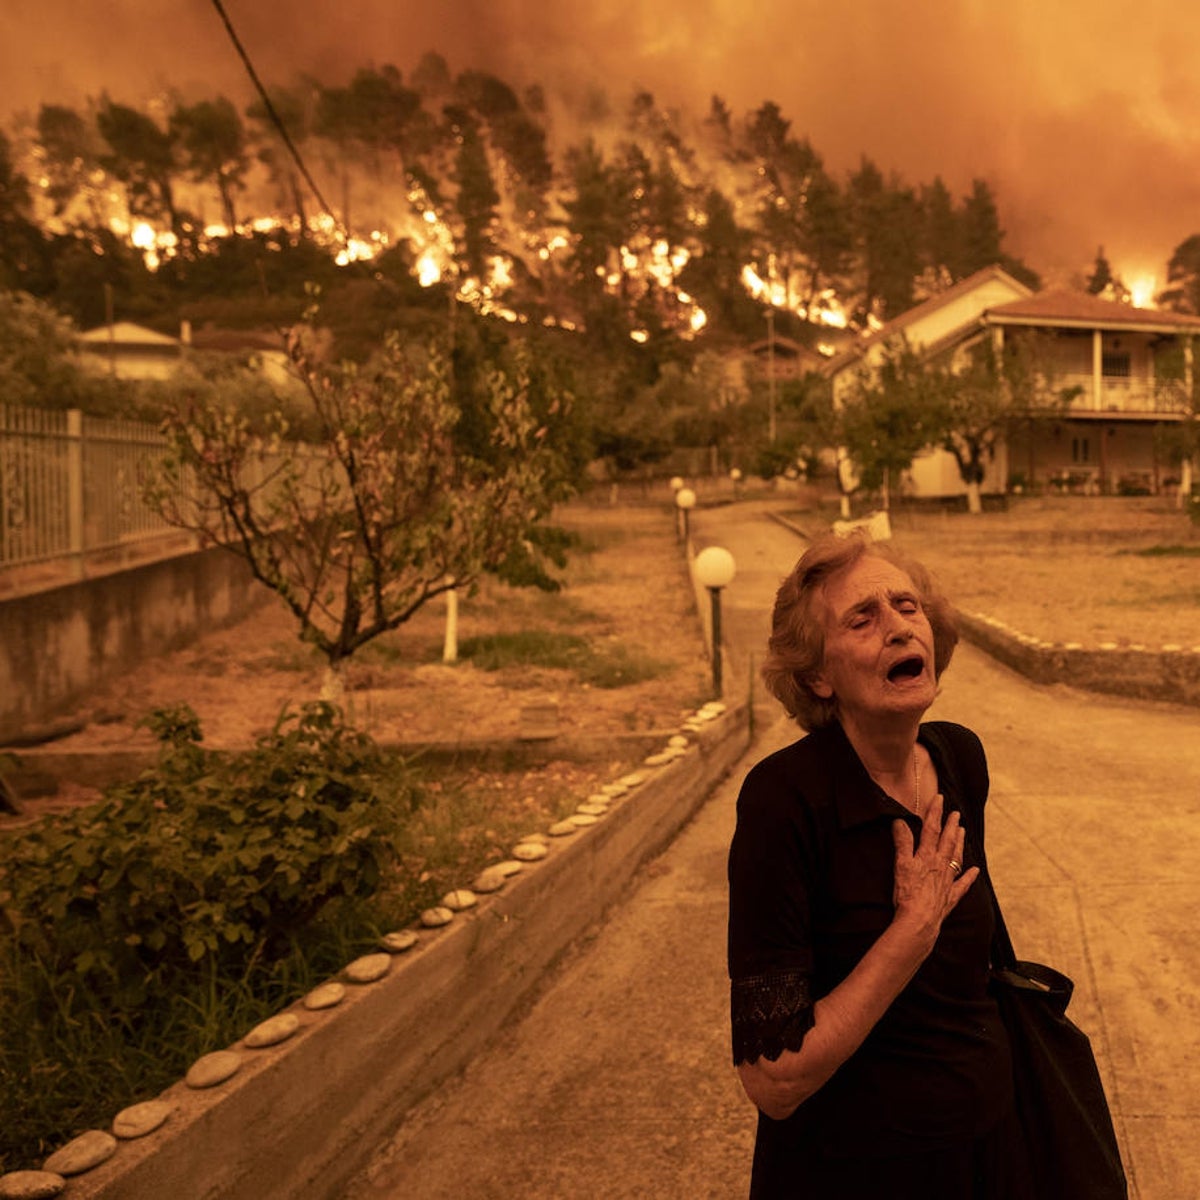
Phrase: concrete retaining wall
(300, 1118)
(59, 644)
(1170, 673)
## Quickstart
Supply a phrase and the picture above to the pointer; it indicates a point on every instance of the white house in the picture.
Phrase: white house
(131, 351)
(1128, 369)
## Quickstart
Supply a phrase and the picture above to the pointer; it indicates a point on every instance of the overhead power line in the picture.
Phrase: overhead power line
(273, 113)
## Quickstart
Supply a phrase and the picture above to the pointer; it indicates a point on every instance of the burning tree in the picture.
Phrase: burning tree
(398, 498)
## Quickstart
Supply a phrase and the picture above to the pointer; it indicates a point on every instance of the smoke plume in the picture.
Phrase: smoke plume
(1085, 119)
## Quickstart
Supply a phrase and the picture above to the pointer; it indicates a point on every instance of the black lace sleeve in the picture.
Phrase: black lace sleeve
(771, 873)
(771, 1014)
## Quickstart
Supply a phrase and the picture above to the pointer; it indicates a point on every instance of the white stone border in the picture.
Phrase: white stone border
(1170, 672)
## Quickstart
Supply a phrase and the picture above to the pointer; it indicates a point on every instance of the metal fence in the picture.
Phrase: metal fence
(71, 491)
(70, 486)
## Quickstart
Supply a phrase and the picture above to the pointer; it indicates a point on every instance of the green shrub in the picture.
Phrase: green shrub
(773, 461)
(206, 859)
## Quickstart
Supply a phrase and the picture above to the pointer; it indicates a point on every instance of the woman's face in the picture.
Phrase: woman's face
(879, 657)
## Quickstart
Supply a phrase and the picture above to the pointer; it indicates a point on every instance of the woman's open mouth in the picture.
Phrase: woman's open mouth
(907, 668)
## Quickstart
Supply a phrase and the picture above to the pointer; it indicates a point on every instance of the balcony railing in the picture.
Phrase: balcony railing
(1121, 395)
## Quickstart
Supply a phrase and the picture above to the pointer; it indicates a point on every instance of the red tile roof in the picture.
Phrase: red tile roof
(900, 323)
(1080, 310)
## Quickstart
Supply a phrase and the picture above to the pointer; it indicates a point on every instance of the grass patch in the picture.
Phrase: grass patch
(290, 656)
(598, 664)
(470, 816)
(501, 605)
(73, 1065)
(1165, 551)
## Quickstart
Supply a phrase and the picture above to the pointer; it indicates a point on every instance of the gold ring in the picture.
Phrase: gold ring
(955, 865)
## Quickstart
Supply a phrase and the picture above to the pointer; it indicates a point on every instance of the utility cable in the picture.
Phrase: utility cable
(274, 115)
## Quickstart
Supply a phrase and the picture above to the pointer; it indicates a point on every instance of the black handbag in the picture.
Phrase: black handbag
(1060, 1101)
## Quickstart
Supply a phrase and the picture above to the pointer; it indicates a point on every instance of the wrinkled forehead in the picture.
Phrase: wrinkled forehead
(871, 577)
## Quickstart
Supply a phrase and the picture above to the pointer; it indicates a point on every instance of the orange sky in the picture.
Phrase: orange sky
(1084, 117)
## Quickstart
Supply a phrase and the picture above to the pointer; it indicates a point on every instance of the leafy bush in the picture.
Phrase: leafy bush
(773, 461)
(207, 859)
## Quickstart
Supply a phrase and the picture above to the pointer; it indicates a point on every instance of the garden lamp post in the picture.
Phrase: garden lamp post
(685, 501)
(715, 569)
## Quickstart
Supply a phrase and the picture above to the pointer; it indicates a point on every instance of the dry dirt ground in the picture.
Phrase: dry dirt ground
(626, 587)
(1064, 570)
(1069, 569)
(398, 688)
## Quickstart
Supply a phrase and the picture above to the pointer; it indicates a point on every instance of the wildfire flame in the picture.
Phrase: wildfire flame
(825, 308)
(1142, 291)
(415, 220)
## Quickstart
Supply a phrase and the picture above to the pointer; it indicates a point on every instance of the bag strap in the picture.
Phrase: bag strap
(1003, 954)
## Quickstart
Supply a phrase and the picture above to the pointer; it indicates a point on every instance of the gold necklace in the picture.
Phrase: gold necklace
(916, 783)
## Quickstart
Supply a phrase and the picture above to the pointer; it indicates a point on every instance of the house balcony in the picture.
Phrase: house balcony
(1117, 397)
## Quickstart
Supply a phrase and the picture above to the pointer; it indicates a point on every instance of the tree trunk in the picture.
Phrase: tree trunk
(226, 194)
(845, 478)
(974, 500)
(333, 684)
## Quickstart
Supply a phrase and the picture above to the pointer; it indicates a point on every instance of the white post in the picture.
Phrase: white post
(450, 645)
(75, 489)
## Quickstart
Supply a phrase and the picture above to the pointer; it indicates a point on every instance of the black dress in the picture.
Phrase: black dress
(923, 1106)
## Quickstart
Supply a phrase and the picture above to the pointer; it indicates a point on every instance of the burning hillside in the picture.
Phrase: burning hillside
(682, 226)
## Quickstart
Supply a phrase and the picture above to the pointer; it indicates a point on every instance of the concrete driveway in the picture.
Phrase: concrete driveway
(617, 1082)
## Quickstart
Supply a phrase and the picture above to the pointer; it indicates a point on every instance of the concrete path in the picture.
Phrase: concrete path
(617, 1082)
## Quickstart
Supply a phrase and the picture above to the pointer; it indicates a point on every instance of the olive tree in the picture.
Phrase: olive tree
(882, 421)
(985, 389)
(964, 402)
(1177, 389)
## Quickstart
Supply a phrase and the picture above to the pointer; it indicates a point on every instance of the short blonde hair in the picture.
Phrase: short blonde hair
(796, 647)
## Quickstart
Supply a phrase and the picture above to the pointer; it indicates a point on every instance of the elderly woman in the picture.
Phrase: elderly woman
(858, 945)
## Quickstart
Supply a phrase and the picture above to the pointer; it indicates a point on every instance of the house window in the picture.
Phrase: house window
(1079, 450)
(1115, 365)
